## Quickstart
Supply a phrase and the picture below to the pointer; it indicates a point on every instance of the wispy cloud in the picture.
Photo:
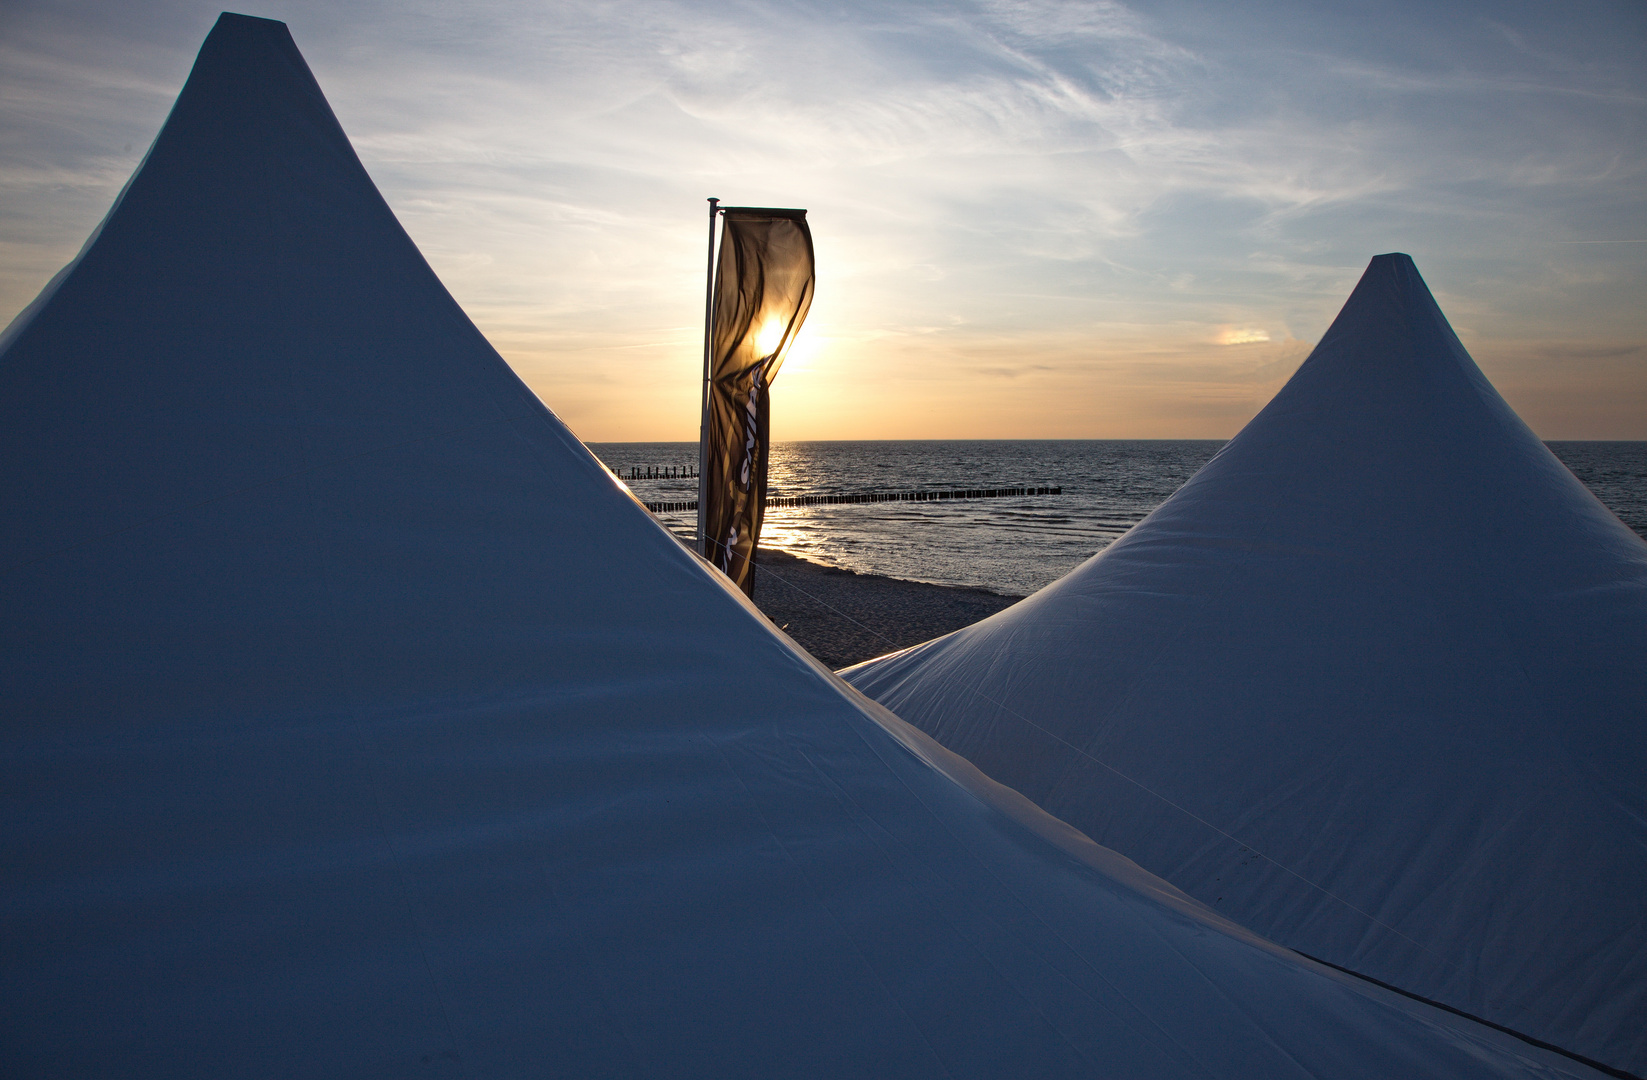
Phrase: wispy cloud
(1097, 206)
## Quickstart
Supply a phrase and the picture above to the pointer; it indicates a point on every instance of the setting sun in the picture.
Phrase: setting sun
(769, 338)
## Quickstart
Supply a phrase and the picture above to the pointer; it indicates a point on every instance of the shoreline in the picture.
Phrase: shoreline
(843, 617)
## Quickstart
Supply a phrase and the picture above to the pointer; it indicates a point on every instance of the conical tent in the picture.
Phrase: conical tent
(1372, 683)
(358, 723)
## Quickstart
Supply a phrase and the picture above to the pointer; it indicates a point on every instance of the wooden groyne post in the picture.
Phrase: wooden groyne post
(875, 497)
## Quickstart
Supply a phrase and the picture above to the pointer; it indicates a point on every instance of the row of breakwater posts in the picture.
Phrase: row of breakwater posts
(658, 472)
(875, 497)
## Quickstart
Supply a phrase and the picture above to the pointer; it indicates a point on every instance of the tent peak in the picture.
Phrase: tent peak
(230, 18)
(236, 31)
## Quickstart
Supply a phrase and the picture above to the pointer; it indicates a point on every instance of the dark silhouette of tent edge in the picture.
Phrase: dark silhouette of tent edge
(1599, 1066)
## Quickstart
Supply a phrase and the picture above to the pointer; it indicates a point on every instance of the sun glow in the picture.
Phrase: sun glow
(770, 337)
(1242, 335)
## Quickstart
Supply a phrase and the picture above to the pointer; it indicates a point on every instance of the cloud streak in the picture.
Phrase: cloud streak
(1103, 207)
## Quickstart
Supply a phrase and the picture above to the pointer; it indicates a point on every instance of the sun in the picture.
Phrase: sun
(770, 337)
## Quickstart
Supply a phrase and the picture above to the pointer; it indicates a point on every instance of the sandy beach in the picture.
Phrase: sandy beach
(842, 617)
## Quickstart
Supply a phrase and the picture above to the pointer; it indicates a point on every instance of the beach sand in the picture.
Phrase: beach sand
(842, 617)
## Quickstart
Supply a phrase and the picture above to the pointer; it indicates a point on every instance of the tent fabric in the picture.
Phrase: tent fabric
(360, 724)
(1371, 684)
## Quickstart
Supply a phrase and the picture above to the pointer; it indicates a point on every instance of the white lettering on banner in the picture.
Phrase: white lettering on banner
(750, 425)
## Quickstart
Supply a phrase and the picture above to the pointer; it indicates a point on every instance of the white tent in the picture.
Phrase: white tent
(1373, 684)
(359, 724)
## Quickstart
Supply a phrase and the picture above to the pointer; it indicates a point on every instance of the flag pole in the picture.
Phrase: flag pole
(703, 409)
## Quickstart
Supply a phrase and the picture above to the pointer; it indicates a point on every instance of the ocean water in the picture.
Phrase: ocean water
(1008, 545)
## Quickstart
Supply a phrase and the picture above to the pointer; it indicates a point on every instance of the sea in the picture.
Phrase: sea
(1012, 545)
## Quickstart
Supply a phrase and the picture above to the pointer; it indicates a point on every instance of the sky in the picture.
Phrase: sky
(1033, 219)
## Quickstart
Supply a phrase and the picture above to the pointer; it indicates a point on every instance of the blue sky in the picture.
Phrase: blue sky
(1033, 219)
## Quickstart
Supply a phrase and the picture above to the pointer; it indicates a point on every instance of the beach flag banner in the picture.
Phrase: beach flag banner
(760, 296)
